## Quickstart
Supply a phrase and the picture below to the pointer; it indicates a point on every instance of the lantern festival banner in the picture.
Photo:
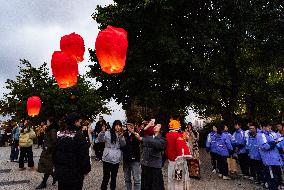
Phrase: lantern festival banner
(111, 48)
(33, 105)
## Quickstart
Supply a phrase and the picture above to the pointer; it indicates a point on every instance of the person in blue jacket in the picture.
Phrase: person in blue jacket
(227, 133)
(256, 168)
(270, 157)
(15, 143)
(211, 147)
(280, 146)
(280, 130)
(239, 143)
(224, 149)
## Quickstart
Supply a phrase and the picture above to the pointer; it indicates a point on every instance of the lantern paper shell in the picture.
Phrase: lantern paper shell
(73, 45)
(33, 105)
(111, 48)
(64, 69)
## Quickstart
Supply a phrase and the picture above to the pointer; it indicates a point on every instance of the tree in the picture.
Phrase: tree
(82, 98)
(214, 56)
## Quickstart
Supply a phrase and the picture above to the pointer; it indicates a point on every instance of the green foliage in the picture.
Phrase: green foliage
(31, 81)
(214, 56)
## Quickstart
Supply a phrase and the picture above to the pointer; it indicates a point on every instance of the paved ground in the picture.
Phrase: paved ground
(13, 179)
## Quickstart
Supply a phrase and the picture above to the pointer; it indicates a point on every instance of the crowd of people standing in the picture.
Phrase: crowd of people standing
(67, 147)
(259, 151)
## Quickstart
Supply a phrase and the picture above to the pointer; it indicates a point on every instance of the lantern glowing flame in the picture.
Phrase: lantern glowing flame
(64, 69)
(111, 48)
(73, 45)
(33, 105)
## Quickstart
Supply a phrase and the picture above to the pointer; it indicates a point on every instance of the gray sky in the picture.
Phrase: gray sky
(31, 29)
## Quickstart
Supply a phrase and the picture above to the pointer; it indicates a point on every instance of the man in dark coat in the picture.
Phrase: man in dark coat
(99, 146)
(71, 156)
(131, 159)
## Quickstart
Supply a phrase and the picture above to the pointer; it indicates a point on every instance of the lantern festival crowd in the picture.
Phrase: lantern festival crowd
(259, 151)
(67, 145)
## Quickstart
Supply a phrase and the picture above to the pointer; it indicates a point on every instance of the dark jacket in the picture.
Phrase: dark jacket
(98, 127)
(131, 151)
(152, 151)
(45, 162)
(71, 156)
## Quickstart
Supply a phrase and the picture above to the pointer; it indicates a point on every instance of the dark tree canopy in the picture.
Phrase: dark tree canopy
(82, 98)
(219, 57)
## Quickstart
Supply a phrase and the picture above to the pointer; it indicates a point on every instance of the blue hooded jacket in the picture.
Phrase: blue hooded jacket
(229, 135)
(16, 133)
(211, 142)
(280, 146)
(223, 144)
(268, 151)
(239, 141)
(252, 147)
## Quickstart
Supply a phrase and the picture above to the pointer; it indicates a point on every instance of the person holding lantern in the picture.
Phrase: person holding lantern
(25, 143)
(71, 155)
(177, 153)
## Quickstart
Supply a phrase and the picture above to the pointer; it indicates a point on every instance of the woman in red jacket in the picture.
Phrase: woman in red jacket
(177, 152)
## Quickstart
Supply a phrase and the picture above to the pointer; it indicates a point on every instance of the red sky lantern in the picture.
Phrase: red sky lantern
(73, 45)
(64, 69)
(111, 48)
(33, 105)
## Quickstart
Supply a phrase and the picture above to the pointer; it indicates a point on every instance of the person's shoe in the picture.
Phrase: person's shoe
(246, 177)
(226, 178)
(220, 175)
(22, 169)
(214, 171)
(251, 178)
(41, 186)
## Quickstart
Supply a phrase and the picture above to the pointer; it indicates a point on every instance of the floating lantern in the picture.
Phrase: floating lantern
(64, 69)
(73, 45)
(111, 48)
(33, 105)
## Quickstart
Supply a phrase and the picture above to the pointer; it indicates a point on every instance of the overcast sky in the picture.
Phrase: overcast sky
(31, 29)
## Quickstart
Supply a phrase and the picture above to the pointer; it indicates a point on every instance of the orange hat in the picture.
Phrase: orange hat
(174, 124)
